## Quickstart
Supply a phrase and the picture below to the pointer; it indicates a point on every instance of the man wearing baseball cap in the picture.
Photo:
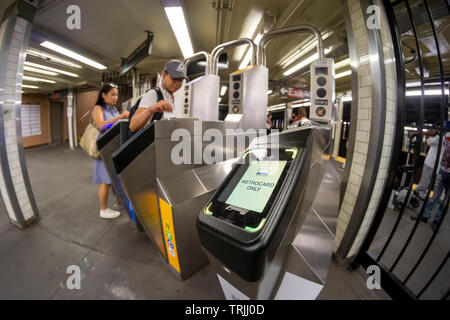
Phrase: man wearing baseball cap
(172, 78)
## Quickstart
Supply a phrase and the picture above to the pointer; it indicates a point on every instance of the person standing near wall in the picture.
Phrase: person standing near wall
(427, 170)
(105, 115)
(442, 185)
(269, 123)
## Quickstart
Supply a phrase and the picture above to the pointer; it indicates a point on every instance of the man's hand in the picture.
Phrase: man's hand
(125, 115)
(161, 106)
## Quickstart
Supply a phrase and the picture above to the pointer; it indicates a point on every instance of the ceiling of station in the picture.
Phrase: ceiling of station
(114, 29)
(428, 45)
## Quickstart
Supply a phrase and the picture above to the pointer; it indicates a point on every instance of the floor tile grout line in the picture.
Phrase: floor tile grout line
(62, 198)
(54, 293)
(89, 250)
(8, 230)
(92, 248)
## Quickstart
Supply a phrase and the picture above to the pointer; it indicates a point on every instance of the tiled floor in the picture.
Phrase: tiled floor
(116, 261)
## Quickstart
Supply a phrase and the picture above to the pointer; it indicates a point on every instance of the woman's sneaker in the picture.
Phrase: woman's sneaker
(109, 214)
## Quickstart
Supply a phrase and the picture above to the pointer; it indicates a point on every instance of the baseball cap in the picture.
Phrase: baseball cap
(176, 69)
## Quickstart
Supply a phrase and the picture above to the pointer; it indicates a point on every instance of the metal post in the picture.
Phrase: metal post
(70, 117)
(215, 54)
(196, 57)
(261, 56)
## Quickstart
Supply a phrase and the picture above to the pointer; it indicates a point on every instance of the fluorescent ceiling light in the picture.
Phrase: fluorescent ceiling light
(37, 79)
(248, 56)
(33, 69)
(223, 90)
(52, 58)
(269, 91)
(304, 63)
(27, 63)
(277, 108)
(343, 74)
(219, 99)
(427, 93)
(414, 129)
(72, 54)
(342, 63)
(29, 86)
(179, 27)
(413, 84)
(344, 99)
(301, 52)
(304, 104)
(417, 84)
(250, 26)
(278, 105)
(233, 117)
(220, 64)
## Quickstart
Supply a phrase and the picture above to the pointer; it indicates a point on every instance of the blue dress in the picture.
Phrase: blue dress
(100, 173)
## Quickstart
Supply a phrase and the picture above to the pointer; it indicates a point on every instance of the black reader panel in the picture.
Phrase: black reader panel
(249, 214)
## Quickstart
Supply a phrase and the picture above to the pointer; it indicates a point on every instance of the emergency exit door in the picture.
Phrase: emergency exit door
(56, 123)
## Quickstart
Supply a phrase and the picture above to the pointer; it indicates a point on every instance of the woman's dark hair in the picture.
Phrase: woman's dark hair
(105, 89)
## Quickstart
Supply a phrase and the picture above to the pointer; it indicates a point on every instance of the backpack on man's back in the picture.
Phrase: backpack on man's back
(156, 115)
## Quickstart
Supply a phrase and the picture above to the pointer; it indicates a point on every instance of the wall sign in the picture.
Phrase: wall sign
(31, 120)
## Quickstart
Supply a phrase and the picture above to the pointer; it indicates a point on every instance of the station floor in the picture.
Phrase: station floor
(116, 261)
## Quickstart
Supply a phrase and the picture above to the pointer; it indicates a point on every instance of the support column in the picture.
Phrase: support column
(70, 128)
(372, 123)
(287, 115)
(338, 127)
(14, 181)
(74, 118)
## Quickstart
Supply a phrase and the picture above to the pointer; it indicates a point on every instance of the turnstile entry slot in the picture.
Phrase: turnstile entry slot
(123, 131)
(127, 152)
(134, 162)
(109, 134)
(107, 143)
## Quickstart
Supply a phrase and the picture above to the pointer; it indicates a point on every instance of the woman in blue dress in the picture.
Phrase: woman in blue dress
(105, 115)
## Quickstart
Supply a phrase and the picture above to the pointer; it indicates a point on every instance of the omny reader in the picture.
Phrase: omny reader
(248, 225)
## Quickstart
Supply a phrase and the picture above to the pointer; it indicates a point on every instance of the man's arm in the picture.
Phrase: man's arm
(140, 118)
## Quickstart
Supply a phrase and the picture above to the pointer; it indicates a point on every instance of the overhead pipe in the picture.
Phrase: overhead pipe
(219, 9)
(261, 57)
(196, 57)
(215, 54)
(228, 20)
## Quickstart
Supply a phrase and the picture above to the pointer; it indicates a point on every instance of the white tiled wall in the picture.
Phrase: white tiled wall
(363, 126)
(388, 134)
(12, 101)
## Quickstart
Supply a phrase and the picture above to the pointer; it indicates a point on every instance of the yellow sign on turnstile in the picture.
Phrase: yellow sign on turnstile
(169, 234)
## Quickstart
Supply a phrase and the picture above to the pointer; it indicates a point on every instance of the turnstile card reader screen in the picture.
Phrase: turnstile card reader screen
(256, 185)
(246, 198)
(243, 228)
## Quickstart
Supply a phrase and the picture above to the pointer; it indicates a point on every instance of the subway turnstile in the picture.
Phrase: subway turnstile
(250, 227)
(167, 186)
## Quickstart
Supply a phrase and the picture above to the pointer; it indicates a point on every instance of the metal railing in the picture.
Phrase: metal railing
(391, 282)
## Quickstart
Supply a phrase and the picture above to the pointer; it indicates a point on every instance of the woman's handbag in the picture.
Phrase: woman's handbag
(88, 141)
